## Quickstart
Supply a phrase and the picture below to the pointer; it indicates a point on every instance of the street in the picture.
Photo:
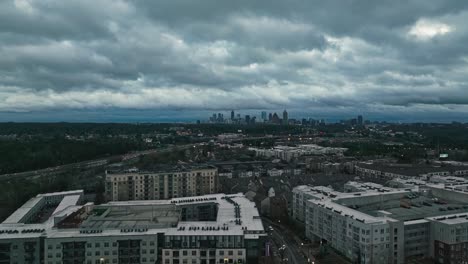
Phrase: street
(283, 240)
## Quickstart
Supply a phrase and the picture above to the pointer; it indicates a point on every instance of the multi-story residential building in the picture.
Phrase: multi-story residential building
(353, 186)
(406, 171)
(386, 225)
(180, 181)
(288, 153)
(206, 229)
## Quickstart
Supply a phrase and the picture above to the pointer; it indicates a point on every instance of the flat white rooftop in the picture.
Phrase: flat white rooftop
(126, 218)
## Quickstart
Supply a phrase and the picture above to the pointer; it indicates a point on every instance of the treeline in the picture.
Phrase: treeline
(406, 153)
(107, 129)
(79, 129)
(39, 153)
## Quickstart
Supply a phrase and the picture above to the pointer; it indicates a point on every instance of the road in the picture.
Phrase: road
(280, 236)
(88, 163)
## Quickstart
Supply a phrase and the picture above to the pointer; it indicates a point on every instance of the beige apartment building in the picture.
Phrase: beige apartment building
(180, 181)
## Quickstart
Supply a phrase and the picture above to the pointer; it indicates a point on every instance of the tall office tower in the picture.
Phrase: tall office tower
(359, 120)
(270, 116)
(275, 119)
(264, 116)
(232, 115)
(247, 119)
(285, 117)
(180, 181)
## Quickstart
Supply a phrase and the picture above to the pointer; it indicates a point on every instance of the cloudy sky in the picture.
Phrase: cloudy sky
(121, 60)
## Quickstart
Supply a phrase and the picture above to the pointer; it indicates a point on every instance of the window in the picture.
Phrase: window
(106, 244)
(230, 253)
(97, 245)
(239, 253)
(194, 253)
(184, 253)
(166, 253)
(221, 252)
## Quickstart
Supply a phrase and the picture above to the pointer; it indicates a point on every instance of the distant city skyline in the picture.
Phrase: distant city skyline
(166, 116)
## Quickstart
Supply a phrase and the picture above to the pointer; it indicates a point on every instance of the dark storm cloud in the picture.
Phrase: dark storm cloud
(337, 55)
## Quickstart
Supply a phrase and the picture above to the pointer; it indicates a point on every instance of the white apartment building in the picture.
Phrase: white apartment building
(288, 153)
(407, 171)
(386, 225)
(206, 229)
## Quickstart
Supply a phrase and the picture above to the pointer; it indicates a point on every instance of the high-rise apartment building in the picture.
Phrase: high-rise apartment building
(180, 181)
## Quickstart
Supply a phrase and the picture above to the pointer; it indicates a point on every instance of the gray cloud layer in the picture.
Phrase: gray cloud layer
(352, 55)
